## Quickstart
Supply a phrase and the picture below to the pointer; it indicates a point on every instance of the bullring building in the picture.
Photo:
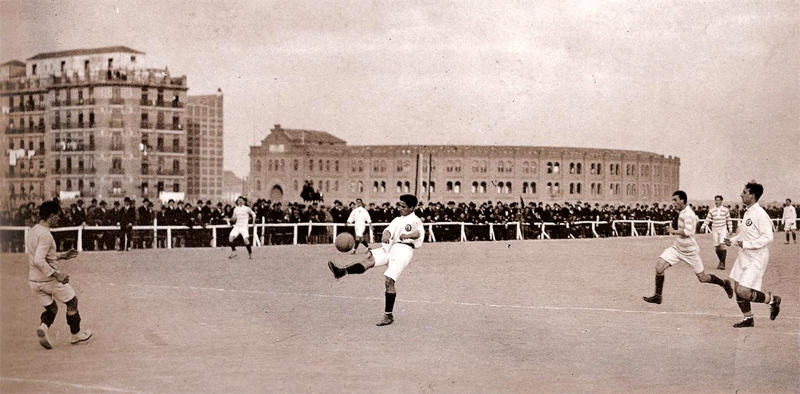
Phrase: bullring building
(288, 159)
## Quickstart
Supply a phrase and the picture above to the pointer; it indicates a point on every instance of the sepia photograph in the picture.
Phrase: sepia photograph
(384, 196)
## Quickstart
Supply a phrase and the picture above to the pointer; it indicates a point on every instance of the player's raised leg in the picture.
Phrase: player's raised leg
(661, 267)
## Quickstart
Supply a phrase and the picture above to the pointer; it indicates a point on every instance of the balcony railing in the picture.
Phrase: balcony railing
(161, 126)
(145, 125)
(146, 171)
(146, 102)
(170, 172)
(117, 101)
(171, 149)
(116, 124)
(87, 193)
(80, 125)
(66, 102)
(177, 104)
(56, 103)
(117, 147)
(72, 147)
(116, 193)
(177, 126)
(90, 101)
(116, 171)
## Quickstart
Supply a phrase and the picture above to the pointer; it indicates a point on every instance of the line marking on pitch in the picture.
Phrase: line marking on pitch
(461, 303)
(75, 385)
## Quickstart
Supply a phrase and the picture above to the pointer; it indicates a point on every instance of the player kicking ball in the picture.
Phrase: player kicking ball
(403, 235)
(241, 216)
(47, 282)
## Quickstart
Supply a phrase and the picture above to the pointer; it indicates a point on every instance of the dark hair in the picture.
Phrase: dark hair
(681, 194)
(718, 196)
(48, 209)
(755, 188)
(790, 200)
(409, 199)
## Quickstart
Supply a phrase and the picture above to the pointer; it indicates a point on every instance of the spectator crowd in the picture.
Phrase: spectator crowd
(564, 220)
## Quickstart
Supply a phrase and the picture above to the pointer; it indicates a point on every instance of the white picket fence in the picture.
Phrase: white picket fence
(544, 230)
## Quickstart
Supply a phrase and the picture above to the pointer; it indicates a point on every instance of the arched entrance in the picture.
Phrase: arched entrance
(276, 194)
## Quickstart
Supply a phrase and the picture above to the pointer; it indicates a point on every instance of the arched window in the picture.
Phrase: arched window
(475, 166)
(457, 187)
(556, 188)
(482, 189)
(549, 188)
(524, 184)
(433, 187)
(376, 166)
(571, 168)
(449, 186)
(258, 165)
(499, 188)
(399, 187)
(424, 186)
(533, 187)
(578, 167)
(534, 167)
(295, 185)
(258, 185)
(327, 165)
(383, 187)
(360, 187)
(457, 166)
(406, 187)
(269, 165)
(501, 166)
(556, 168)
(549, 167)
(311, 165)
(475, 187)
(296, 164)
(375, 187)
(336, 165)
(525, 170)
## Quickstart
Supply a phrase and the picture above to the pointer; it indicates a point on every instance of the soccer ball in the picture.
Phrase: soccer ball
(345, 242)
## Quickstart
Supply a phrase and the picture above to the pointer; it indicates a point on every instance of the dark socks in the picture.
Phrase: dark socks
(49, 315)
(390, 302)
(744, 305)
(757, 296)
(74, 322)
(716, 281)
(356, 268)
(249, 249)
(233, 248)
(659, 284)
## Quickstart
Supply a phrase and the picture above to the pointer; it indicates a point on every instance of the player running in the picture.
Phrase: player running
(49, 283)
(755, 235)
(720, 219)
(360, 217)
(241, 216)
(403, 235)
(684, 249)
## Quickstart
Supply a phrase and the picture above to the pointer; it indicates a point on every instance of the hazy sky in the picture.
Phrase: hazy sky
(714, 83)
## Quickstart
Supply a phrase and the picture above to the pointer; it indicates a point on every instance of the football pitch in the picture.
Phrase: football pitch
(560, 316)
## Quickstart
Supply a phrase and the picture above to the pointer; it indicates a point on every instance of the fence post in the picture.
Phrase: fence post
(213, 237)
(24, 237)
(294, 234)
(263, 229)
(155, 233)
(334, 233)
(256, 239)
(491, 232)
(594, 230)
(80, 239)
(432, 237)
(169, 237)
(519, 231)
(634, 233)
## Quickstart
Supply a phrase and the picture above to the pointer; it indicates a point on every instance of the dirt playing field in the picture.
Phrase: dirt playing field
(488, 317)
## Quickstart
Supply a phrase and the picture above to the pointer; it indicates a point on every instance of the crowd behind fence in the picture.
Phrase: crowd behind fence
(177, 224)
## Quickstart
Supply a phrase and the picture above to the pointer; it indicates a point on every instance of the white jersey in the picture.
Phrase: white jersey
(755, 232)
(242, 215)
(41, 249)
(407, 225)
(789, 214)
(360, 217)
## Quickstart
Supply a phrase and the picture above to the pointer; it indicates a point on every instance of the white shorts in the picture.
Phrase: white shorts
(360, 228)
(47, 291)
(789, 225)
(672, 256)
(718, 235)
(748, 270)
(239, 230)
(397, 258)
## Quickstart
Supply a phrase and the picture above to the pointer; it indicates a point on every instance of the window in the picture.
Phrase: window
(457, 187)
(556, 168)
(474, 187)
(549, 167)
(176, 187)
(258, 165)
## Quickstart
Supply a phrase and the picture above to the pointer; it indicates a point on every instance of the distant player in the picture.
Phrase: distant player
(684, 249)
(720, 219)
(789, 220)
(49, 283)
(241, 216)
(360, 217)
(403, 235)
(755, 235)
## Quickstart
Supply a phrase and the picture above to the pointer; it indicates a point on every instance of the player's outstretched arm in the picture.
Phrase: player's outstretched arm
(70, 254)
(386, 236)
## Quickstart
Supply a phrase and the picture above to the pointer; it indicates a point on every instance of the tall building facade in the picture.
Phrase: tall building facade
(92, 123)
(204, 130)
(287, 159)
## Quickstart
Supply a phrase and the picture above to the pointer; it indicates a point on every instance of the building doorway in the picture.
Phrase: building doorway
(276, 194)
